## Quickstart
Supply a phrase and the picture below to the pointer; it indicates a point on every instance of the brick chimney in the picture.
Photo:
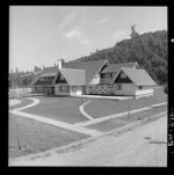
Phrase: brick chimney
(60, 62)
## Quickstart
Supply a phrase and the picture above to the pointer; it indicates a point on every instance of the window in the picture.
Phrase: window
(63, 88)
(60, 88)
(140, 87)
(122, 75)
(118, 86)
(102, 75)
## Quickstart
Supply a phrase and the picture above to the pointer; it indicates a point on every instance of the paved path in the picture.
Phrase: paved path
(57, 123)
(13, 102)
(84, 113)
(121, 114)
(106, 97)
(144, 146)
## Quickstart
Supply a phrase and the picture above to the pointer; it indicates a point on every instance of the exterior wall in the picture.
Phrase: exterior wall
(42, 90)
(19, 92)
(76, 90)
(126, 89)
(100, 90)
(118, 89)
(57, 90)
(107, 79)
(72, 90)
(95, 80)
(144, 92)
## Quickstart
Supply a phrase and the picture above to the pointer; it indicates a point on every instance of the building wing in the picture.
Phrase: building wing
(140, 77)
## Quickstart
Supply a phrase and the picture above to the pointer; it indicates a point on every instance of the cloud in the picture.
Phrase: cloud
(67, 20)
(86, 41)
(104, 20)
(74, 33)
(119, 35)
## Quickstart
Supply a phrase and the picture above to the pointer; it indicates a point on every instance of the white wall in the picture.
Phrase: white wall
(18, 92)
(144, 92)
(77, 91)
(58, 92)
(126, 89)
(95, 80)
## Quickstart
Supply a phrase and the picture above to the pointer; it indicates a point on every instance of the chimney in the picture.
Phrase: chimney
(60, 62)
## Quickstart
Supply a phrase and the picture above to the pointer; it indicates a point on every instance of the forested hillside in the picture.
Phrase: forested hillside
(149, 50)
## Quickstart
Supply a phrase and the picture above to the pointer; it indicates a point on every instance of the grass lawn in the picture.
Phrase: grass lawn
(34, 136)
(65, 109)
(100, 108)
(121, 121)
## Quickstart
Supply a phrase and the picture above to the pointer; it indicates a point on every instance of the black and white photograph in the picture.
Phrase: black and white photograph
(88, 86)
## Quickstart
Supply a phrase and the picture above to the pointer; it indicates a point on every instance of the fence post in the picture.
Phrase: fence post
(129, 111)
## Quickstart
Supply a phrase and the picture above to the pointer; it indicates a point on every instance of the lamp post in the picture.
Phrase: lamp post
(17, 138)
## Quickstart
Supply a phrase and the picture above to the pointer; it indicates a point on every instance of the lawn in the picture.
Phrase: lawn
(121, 121)
(64, 109)
(100, 108)
(28, 136)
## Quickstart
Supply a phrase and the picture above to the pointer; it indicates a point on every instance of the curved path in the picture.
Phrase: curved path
(81, 109)
(121, 114)
(35, 102)
(53, 122)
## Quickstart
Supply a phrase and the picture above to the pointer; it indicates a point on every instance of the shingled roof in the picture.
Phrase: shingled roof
(139, 76)
(48, 70)
(117, 67)
(90, 67)
(74, 77)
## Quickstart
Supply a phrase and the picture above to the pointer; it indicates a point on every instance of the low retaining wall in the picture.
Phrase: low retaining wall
(19, 92)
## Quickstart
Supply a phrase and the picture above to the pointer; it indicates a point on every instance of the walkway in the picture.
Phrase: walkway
(101, 119)
(145, 146)
(46, 120)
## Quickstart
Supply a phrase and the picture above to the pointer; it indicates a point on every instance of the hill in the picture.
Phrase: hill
(148, 49)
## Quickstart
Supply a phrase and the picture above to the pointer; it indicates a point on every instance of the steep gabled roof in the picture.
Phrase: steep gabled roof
(90, 67)
(139, 76)
(46, 72)
(53, 69)
(51, 74)
(74, 77)
(117, 67)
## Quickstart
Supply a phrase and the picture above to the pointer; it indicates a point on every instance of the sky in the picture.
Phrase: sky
(40, 35)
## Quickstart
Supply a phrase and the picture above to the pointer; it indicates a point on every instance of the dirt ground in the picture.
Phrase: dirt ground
(142, 146)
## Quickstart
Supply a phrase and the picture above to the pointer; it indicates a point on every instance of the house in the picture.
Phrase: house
(68, 78)
(127, 81)
(94, 77)
(42, 83)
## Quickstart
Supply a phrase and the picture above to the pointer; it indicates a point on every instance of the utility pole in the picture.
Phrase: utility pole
(129, 111)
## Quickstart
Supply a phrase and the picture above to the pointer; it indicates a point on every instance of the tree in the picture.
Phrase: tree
(148, 49)
(133, 32)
